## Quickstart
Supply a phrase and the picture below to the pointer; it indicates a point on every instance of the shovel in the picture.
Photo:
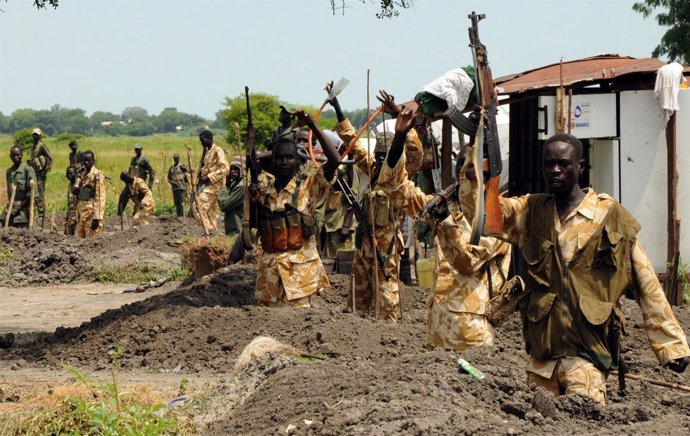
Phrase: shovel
(10, 205)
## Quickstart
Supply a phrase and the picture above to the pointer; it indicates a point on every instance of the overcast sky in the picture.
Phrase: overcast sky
(190, 54)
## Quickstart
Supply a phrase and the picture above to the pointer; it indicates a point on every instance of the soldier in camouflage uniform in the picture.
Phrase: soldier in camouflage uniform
(75, 155)
(582, 255)
(41, 161)
(214, 170)
(71, 215)
(90, 191)
(290, 270)
(456, 318)
(177, 177)
(19, 177)
(386, 223)
(141, 196)
(338, 215)
(138, 167)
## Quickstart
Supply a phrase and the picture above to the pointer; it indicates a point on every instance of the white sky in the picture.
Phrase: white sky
(189, 54)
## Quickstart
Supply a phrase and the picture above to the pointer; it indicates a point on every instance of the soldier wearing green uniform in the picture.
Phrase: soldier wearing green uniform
(19, 177)
(41, 161)
(177, 177)
(139, 167)
(231, 198)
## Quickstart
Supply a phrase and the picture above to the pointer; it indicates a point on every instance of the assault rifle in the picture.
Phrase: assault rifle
(362, 220)
(250, 216)
(488, 216)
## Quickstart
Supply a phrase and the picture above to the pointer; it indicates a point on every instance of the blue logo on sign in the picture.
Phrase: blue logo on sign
(578, 111)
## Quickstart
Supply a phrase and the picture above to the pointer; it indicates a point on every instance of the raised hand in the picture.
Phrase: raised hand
(303, 118)
(388, 103)
(404, 121)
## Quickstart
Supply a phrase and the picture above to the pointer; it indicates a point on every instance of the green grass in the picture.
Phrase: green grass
(6, 254)
(113, 155)
(130, 273)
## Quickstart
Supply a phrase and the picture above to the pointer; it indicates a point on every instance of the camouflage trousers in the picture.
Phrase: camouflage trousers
(84, 217)
(71, 220)
(40, 201)
(572, 375)
(206, 211)
(363, 269)
(299, 303)
(142, 212)
(456, 330)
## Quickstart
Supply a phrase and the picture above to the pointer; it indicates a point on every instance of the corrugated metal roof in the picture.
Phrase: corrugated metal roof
(578, 71)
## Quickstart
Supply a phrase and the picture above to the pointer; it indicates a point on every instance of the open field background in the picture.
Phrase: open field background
(113, 155)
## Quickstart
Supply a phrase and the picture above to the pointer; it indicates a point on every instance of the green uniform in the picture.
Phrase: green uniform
(231, 202)
(177, 177)
(20, 177)
(41, 161)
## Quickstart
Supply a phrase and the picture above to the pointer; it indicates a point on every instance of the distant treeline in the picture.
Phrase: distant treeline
(133, 121)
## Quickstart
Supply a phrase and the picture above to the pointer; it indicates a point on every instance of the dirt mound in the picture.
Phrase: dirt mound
(40, 257)
(379, 378)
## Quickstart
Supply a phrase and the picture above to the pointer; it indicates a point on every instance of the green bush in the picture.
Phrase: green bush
(23, 139)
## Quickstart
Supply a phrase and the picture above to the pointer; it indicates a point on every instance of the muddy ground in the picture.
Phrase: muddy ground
(377, 377)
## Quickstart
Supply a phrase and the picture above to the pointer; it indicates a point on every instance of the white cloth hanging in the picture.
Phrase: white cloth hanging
(666, 88)
(454, 87)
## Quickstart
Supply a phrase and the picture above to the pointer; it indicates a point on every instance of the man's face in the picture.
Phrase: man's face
(284, 160)
(206, 141)
(234, 173)
(137, 151)
(16, 154)
(88, 162)
(176, 159)
(73, 146)
(70, 173)
(36, 136)
(561, 167)
(302, 139)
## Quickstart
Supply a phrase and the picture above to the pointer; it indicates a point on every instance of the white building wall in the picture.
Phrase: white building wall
(683, 156)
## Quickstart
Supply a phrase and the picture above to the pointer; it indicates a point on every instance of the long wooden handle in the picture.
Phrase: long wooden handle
(10, 205)
(655, 382)
(32, 197)
(493, 223)
(356, 138)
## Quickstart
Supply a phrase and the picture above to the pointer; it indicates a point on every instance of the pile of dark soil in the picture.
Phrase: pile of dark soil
(40, 257)
(379, 377)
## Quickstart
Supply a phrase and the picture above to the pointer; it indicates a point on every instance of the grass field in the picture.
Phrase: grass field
(113, 155)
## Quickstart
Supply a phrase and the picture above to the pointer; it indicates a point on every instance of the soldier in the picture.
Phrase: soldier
(138, 167)
(466, 275)
(214, 170)
(231, 198)
(582, 255)
(75, 155)
(141, 196)
(71, 215)
(90, 191)
(386, 223)
(290, 270)
(19, 177)
(41, 161)
(177, 177)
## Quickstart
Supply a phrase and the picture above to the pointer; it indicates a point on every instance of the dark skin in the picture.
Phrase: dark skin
(206, 142)
(36, 137)
(234, 176)
(73, 146)
(16, 155)
(88, 164)
(562, 169)
(137, 151)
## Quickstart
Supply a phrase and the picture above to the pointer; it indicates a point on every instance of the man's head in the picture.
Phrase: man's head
(562, 163)
(70, 173)
(73, 145)
(206, 138)
(126, 177)
(383, 143)
(16, 154)
(285, 158)
(36, 134)
(137, 149)
(235, 169)
(88, 159)
(176, 158)
(302, 138)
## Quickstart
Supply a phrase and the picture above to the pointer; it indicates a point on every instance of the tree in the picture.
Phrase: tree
(676, 41)
(134, 114)
(389, 8)
(265, 113)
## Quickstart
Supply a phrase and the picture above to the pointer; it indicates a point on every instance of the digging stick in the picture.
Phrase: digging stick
(10, 205)
(655, 382)
(53, 227)
(32, 199)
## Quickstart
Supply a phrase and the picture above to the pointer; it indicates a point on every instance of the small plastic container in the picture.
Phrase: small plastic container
(464, 366)
(425, 271)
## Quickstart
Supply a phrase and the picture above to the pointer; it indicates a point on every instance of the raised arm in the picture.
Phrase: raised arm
(331, 165)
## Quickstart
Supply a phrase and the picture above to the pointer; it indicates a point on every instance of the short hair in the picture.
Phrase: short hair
(206, 134)
(285, 140)
(568, 139)
(93, 155)
(16, 146)
(72, 142)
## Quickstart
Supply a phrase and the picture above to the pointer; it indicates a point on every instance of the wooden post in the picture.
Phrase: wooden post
(672, 222)
(446, 154)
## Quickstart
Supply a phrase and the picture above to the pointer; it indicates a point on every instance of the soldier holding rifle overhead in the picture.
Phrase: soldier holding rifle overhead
(384, 219)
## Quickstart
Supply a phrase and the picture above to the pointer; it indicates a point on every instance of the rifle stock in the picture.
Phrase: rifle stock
(493, 222)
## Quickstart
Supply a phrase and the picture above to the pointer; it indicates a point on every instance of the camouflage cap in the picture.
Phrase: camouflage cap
(176, 156)
(236, 162)
(138, 146)
(37, 130)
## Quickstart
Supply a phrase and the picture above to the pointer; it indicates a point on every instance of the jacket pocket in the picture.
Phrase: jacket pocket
(538, 254)
(539, 306)
(608, 249)
(596, 312)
